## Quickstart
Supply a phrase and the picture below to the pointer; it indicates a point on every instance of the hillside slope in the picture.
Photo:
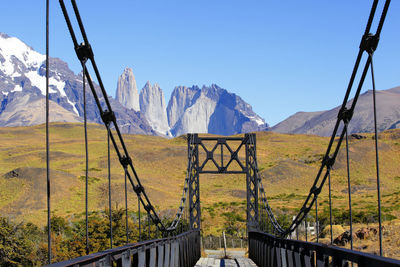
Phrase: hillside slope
(288, 164)
(323, 122)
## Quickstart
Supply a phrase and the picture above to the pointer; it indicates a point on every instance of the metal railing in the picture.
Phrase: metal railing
(178, 251)
(268, 250)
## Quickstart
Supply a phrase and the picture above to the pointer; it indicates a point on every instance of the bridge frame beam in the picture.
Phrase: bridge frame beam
(246, 165)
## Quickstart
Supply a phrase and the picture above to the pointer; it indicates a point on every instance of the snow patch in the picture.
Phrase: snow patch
(17, 88)
(5, 93)
(40, 82)
(73, 106)
(13, 47)
(257, 120)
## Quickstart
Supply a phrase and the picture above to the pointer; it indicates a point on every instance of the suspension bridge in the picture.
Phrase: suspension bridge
(269, 243)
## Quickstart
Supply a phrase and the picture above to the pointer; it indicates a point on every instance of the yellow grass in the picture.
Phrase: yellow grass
(288, 166)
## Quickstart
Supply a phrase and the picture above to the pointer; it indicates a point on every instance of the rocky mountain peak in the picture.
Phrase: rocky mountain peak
(182, 97)
(210, 109)
(127, 93)
(23, 87)
(16, 56)
(152, 106)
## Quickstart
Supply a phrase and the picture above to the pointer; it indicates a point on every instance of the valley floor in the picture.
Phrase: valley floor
(288, 165)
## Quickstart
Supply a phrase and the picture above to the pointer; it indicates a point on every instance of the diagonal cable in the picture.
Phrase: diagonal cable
(368, 42)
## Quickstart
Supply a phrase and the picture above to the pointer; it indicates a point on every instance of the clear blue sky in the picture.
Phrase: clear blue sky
(279, 56)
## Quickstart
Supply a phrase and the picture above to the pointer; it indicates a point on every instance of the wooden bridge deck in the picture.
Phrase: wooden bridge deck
(213, 262)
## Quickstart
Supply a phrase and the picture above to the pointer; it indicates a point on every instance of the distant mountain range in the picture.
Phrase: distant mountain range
(23, 87)
(209, 109)
(190, 109)
(323, 122)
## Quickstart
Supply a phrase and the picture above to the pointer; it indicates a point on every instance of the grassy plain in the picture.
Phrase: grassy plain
(288, 165)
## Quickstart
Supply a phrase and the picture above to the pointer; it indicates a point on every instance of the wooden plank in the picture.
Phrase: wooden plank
(160, 256)
(283, 256)
(167, 255)
(172, 253)
(126, 259)
(142, 258)
(153, 257)
(213, 262)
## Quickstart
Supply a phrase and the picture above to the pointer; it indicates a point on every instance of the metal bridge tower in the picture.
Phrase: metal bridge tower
(222, 155)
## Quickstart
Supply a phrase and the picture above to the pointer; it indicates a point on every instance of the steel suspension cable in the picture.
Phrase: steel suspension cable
(330, 205)
(86, 158)
(305, 220)
(376, 155)
(107, 115)
(314, 191)
(368, 41)
(274, 223)
(47, 139)
(148, 224)
(140, 225)
(316, 219)
(109, 184)
(126, 206)
(349, 186)
(181, 209)
(276, 227)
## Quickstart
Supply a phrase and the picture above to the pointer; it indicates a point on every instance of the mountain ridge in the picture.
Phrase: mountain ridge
(22, 79)
(322, 122)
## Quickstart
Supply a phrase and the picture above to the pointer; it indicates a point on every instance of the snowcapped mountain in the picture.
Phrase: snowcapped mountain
(23, 85)
(190, 109)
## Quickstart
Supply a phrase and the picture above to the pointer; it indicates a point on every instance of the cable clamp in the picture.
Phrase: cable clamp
(148, 207)
(345, 114)
(84, 52)
(138, 189)
(328, 161)
(125, 161)
(108, 117)
(369, 43)
(315, 190)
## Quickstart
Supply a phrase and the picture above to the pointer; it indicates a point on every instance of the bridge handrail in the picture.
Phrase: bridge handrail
(115, 254)
(301, 253)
